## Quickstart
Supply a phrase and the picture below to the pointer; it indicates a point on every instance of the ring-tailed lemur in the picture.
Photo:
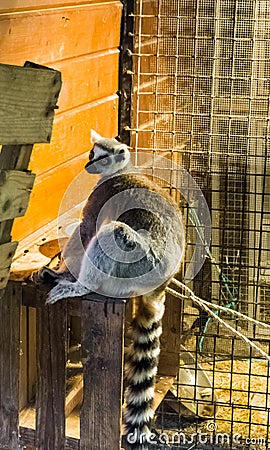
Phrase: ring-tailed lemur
(129, 244)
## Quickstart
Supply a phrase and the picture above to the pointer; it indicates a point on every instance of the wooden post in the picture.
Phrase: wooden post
(51, 374)
(9, 366)
(102, 357)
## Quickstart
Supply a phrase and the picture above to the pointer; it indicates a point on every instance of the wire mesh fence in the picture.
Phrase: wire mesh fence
(201, 99)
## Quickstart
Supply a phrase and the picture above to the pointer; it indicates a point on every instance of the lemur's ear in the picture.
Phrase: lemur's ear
(95, 136)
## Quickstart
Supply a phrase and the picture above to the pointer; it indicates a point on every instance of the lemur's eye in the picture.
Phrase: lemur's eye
(104, 161)
(122, 151)
(91, 156)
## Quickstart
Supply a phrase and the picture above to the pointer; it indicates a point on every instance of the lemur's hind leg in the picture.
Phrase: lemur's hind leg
(88, 280)
(70, 263)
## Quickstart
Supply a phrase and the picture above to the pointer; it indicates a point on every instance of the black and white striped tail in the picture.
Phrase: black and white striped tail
(140, 371)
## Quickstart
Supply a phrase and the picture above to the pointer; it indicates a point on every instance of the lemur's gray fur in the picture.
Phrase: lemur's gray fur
(129, 244)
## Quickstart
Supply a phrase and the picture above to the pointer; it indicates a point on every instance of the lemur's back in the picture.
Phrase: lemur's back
(133, 199)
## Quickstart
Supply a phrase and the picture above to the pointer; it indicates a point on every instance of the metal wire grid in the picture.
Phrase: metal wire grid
(200, 98)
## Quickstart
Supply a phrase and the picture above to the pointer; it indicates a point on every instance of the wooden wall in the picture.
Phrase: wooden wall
(80, 38)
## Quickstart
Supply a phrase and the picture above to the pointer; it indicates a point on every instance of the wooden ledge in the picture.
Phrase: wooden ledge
(35, 296)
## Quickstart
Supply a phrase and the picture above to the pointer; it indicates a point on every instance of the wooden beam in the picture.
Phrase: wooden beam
(27, 439)
(102, 357)
(163, 385)
(51, 374)
(27, 104)
(12, 157)
(75, 396)
(15, 188)
(6, 254)
(9, 366)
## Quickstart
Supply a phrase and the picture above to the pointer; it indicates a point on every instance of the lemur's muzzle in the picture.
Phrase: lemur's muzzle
(90, 163)
(90, 167)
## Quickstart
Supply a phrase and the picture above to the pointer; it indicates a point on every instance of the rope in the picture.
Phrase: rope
(204, 305)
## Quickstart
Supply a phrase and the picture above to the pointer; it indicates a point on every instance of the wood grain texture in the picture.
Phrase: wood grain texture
(27, 358)
(7, 252)
(171, 337)
(12, 157)
(31, 353)
(15, 156)
(27, 438)
(88, 78)
(51, 375)
(71, 133)
(23, 388)
(9, 366)
(28, 100)
(102, 357)
(23, 5)
(75, 396)
(15, 189)
(58, 34)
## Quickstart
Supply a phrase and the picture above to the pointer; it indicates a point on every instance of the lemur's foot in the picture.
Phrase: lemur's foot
(57, 293)
(66, 289)
(60, 291)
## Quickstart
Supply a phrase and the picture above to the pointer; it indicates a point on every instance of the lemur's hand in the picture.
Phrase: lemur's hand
(44, 275)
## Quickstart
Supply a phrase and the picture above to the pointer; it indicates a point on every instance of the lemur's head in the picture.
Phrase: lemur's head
(107, 156)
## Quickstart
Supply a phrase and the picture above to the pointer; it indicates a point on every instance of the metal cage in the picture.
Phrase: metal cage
(198, 76)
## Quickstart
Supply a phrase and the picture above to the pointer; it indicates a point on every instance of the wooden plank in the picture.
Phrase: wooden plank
(23, 382)
(9, 365)
(27, 356)
(171, 337)
(60, 33)
(27, 438)
(23, 5)
(88, 78)
(15, 156)
(31, 353)
(75, 396)
(163, 385)
(27, 104)
(6, 254)
(71, 133)
(15, 189)
(32, 300)
(102, 357)
(51, 375)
